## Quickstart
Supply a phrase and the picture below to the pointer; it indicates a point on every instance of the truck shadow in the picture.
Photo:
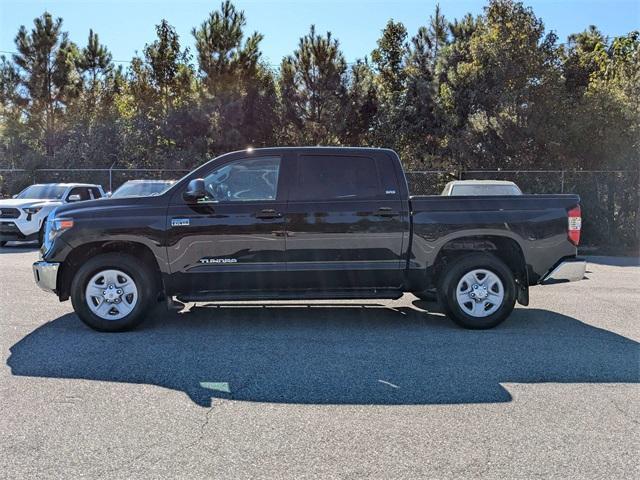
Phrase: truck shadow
(338, 354)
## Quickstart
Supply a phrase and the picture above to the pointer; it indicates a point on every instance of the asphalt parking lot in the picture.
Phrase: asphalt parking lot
(324, 389)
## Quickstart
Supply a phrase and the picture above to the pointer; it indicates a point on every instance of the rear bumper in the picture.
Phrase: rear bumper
(46, 275)
(566, 271)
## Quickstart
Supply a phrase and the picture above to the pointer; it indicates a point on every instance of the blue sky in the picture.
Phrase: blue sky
(125, 26)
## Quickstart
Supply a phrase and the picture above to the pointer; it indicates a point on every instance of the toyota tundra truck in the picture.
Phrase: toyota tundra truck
(305, 224)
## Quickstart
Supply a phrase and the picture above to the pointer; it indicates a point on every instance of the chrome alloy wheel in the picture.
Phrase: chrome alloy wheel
(111, 294)
(480, 293)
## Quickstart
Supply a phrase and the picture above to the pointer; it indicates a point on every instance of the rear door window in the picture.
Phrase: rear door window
(328, 177)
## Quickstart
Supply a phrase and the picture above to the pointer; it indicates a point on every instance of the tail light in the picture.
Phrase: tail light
(574, 225)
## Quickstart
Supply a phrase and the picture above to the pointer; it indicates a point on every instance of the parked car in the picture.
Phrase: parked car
(141, 188)
(481, 187)
(306, 223)
(22, 217)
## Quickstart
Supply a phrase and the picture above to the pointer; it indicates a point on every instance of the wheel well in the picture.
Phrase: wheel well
(84, 252)
(504, 248)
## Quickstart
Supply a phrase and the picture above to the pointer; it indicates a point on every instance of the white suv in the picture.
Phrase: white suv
(22, 217)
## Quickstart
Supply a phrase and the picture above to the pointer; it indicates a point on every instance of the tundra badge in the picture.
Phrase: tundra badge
(179, 222)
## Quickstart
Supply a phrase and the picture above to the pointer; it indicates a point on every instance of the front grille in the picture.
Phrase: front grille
(9, 213)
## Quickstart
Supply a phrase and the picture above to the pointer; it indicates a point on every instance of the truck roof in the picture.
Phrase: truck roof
(312, 148)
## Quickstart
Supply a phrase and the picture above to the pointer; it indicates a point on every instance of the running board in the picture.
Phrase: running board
(289, 295)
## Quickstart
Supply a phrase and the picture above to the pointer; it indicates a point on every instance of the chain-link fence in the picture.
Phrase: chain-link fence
(14, 180)
(610, 199)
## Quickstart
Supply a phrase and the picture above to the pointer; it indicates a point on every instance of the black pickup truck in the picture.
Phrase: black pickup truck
(306, 223)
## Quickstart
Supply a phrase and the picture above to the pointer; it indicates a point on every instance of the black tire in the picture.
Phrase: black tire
(455, 272)
(142, 275)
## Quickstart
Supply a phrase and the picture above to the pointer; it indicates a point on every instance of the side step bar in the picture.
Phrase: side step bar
(289, 295)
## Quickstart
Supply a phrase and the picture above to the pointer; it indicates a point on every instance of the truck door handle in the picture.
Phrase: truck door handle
(268, 213)
(386, 212)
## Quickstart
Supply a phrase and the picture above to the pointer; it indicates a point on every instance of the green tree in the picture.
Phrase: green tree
(389, 57)
(389, 60)
(162, 79)
(586, 51)
(437, 34)
(361, 106)
(501, 89)
(92, 127)
(313, 87)
(95, 61)
(47, 64)
(421, 118)
(239, 92)
(159, 91)
(14, 141)
(604, 134)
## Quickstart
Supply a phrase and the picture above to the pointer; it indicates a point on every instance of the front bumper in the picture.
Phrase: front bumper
(46, 275)
(566, 271)
(11, 231)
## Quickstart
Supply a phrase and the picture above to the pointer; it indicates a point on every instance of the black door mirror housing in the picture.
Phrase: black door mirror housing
(195, 191)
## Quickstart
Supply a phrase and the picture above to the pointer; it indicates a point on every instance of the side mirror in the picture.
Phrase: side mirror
(108, 194)
(195, 191)
(74, 198)
(14, 196)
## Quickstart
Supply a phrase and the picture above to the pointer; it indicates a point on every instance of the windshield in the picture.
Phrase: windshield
(43, 192)
(141, 189)
(485, 190)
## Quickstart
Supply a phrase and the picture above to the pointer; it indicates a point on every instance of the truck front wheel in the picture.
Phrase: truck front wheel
(113, 291)
(478, 291)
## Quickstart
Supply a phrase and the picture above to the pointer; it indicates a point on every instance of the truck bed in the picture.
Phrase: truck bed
(537, 223)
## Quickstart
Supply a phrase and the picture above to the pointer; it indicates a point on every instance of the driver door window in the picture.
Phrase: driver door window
(246, 180)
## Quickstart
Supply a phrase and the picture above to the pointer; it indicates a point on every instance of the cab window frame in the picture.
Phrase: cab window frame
(381, 189)
(280, 190)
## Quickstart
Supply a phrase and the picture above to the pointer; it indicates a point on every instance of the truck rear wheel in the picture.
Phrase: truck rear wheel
(478, 291)
(113, 291)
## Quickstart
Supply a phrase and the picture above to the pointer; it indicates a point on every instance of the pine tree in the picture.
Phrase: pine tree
(362, 105)
(95, 60)
(389, 57)
(159, 90)
(313, 91)
(47, 65)
(239, 93)
(438, 35)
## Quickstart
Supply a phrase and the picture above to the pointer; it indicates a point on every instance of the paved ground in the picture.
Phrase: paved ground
(342, 390)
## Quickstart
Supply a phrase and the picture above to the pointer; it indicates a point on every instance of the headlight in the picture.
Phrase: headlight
(53, 228)
(57, 226)
(32, 210)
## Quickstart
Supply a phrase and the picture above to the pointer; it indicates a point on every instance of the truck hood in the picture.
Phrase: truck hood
(94, 207)
(27, 202)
